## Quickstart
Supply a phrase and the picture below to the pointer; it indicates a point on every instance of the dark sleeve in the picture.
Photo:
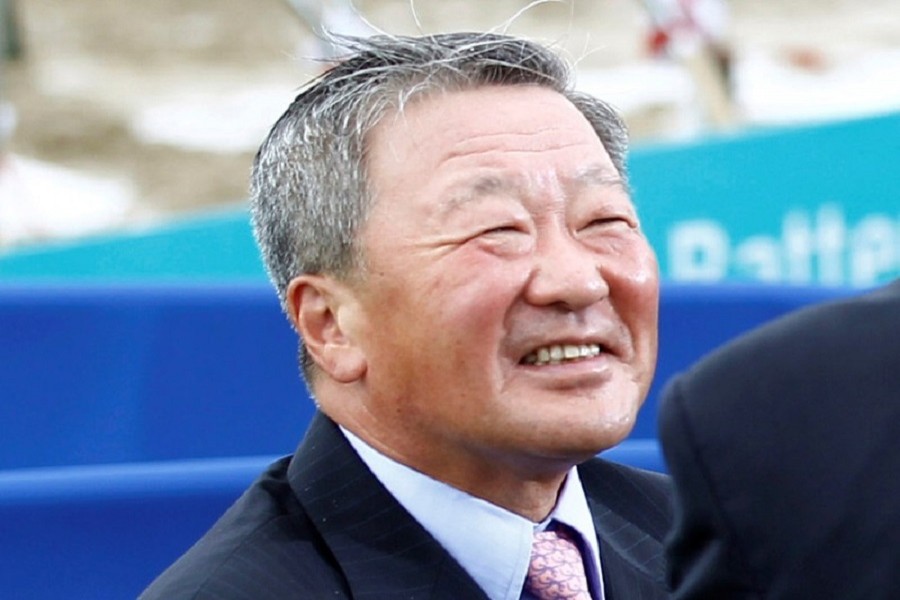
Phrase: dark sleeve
(703, 557)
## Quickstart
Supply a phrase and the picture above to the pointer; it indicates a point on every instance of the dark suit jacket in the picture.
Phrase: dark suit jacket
(784, 447)
(320, 525)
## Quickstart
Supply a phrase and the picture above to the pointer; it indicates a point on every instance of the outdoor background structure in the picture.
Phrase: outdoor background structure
(137, 113)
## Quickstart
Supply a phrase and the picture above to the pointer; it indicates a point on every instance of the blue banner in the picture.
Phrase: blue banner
(818, 205)
(812, 205)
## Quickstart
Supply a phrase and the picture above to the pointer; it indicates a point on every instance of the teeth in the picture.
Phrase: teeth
(557, 353)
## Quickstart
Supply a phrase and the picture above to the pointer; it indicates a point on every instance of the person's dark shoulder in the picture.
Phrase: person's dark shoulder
(643, 497)
(809, 340)
(264, 546)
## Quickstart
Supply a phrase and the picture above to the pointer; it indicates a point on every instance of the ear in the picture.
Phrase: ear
(324, 313)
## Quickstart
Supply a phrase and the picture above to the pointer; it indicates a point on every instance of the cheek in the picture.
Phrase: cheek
(635, 292)
(637, 270)
(641, 282)
(474, 294)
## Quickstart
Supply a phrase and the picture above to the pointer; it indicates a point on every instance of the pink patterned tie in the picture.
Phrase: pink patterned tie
(557, 570)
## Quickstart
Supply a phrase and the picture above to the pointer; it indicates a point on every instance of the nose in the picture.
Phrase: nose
(565, 273)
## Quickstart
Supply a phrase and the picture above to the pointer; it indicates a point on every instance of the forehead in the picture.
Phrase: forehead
(532, 130)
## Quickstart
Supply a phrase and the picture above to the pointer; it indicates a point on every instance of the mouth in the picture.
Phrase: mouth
(561, 353)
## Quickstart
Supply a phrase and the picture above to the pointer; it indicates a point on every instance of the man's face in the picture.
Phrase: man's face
(508, 306)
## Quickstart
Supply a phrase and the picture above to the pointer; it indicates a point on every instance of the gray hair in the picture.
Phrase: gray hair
(308, 192)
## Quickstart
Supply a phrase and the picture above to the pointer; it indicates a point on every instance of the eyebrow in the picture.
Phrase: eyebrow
(488, 185)
(481, 187)
(600, 175)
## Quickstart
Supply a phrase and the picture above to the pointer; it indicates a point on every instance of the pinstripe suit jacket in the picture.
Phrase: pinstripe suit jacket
(320, 525)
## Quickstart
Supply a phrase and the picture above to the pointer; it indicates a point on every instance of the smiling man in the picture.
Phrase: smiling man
(449, 228)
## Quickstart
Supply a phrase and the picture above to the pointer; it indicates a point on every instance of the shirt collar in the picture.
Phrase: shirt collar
(462, 523)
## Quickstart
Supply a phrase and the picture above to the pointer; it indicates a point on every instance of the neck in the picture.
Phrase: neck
(527, 488)
(525, 485)
(533, 498)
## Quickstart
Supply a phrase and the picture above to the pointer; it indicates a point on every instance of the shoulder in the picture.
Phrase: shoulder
(641, 497)
(811, 334)
(796, 354)
(263, 546)
(805, 400)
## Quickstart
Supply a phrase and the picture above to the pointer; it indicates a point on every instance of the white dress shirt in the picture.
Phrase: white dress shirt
(491, 543)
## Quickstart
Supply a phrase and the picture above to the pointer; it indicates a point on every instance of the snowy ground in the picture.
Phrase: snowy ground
(130, 112)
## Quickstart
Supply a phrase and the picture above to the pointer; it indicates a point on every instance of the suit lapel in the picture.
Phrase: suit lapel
(629, 558)
(381, 549)
(629, 531)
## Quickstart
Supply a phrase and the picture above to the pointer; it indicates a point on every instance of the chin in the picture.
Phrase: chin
(578, 444)
(609, 433)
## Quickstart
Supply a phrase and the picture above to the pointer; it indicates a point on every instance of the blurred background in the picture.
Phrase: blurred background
(118, 114)
(147, 374)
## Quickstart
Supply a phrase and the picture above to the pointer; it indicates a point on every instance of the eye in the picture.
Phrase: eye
(504, 226)
(508, 239)
(621, 220)
(500, 229)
